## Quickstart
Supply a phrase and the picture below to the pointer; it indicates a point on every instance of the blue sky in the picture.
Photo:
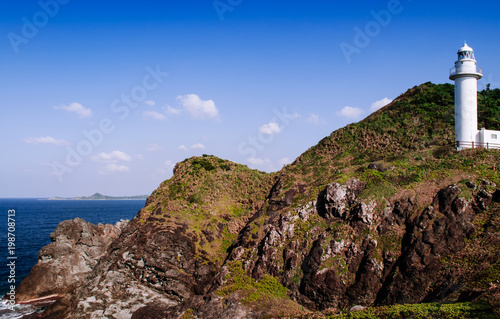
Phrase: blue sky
(106, 96)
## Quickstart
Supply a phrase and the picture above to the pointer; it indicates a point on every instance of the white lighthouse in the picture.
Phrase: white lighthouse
(465, 73)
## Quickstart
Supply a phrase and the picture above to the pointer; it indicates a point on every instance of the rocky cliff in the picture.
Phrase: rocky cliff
(64, 264)
(381, 212)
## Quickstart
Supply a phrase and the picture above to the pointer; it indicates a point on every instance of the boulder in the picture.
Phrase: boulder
(65, 263)
(336, 199)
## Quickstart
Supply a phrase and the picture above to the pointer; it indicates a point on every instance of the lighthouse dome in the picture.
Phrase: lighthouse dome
(466, 52)
(465, 48)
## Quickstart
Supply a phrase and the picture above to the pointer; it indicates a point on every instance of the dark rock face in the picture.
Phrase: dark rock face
(370, 274)
(328, 253)
(429, 239)
(65, 263)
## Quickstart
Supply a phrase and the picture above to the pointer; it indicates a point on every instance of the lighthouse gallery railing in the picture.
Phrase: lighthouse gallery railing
(453, 71)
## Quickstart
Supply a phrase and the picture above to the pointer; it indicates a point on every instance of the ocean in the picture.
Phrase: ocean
(33, 220)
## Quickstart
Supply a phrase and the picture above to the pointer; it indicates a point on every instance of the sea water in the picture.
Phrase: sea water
(31, 223)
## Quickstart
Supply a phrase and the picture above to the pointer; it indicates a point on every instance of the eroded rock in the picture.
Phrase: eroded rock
(65, 263)
(336, 199)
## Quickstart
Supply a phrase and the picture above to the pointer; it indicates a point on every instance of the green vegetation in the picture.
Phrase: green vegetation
(198, 163)
(188, 314)
(414, 134)
(423, 311)
(266, 288)
(489, 109)
(266, 294)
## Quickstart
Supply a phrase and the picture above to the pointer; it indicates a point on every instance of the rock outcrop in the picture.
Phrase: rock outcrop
(65, 263)
(144, 265)
(336, 266)
(439, 231)
(336, 199)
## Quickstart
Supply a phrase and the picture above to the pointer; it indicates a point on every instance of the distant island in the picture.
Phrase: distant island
(98, 196)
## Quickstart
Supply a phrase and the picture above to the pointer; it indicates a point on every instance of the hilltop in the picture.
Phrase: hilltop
(381, 212)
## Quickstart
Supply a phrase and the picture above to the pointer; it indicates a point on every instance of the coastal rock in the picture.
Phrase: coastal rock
(147, 264)
(65, 263)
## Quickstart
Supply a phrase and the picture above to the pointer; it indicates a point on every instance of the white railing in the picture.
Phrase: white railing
(453, 71)
(489, 146)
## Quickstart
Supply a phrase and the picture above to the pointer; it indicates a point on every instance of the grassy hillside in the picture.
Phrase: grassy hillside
(213, 198)
(412, 138)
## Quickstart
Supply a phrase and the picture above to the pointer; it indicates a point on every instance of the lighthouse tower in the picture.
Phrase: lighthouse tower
(465, 73)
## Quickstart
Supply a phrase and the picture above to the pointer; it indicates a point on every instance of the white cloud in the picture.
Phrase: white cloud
(113, 168)
(315, 119)
(380, 104)
(139, 156)
(153, 147)
(150, 102)
(270, 128)
(112, 157)
(198, 146)
(257, 161)
(197, 107)
(261, 163)
(171, 110)
(155, 115)
(351, 112)
(264, 164)
(46, 140)
(284, 161)
(77, 108)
